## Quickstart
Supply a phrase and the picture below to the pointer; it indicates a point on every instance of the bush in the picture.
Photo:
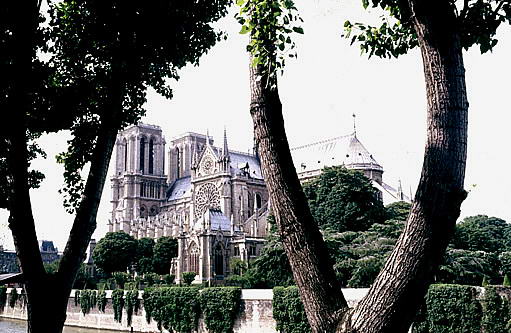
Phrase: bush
(169, 279)
(175, 308)
(288, 311)
(188, 277)
(449, 309)
(220, 306)
(121, 278)
(118, 303)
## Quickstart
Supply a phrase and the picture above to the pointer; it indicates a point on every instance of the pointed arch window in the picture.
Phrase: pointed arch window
(178, 163)
(142, 154)
(219, 260)
(125, 143)
(258, 201)
(193, 258)
(151, 156)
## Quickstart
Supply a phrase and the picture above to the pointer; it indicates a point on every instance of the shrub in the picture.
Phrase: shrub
(188, 277)
(220, 306)
(288, 311)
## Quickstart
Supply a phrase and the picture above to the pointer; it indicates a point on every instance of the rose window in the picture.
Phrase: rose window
(207, 196)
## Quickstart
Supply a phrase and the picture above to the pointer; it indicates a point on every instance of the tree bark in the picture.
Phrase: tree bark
(303, 243)
(393, 299)
(47, 295)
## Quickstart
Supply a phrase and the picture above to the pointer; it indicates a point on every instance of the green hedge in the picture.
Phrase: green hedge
(220, 306)
(288, 311)
(173, 308)
(458, 309)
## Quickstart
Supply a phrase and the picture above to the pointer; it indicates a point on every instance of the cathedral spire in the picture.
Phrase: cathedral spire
(207, 138)
(354, 125)
(226, 148)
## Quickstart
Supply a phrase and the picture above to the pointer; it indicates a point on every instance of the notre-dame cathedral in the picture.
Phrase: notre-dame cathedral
(212, 199)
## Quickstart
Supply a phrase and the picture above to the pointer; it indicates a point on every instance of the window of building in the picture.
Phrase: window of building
(151, 156)
(125, 143)
(219, 260)
(252, 251)
(142, 154)
(236, 251)
(258, 200)
(193, 258)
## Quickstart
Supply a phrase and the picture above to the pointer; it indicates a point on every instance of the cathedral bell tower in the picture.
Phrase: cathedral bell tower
(139, 183)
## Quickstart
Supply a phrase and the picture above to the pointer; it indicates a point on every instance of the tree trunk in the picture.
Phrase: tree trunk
(47, 295)
(393, 299)
(303, 243)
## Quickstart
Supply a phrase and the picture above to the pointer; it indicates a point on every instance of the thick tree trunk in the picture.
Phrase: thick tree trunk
(302, 241)
(394, 297)
(47, 295)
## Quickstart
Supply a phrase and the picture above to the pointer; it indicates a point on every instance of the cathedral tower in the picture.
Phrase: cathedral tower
(139, 183)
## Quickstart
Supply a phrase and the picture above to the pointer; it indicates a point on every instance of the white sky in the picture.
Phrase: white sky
(320, 91)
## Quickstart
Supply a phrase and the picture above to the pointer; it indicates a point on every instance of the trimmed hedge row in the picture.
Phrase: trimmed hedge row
(178, 308)
(463, 309)
(446, 309)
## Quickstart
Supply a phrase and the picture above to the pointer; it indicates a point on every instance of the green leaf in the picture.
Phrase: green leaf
(244, 29)
(298, 30)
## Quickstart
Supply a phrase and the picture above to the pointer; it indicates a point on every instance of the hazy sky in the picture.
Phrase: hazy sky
(320, 91)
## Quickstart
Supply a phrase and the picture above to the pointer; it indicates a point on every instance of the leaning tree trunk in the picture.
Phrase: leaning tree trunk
(47, 295)
(21, 220)
(303, 243)
(394, 297)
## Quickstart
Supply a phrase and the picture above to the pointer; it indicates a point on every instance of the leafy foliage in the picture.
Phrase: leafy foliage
(118, 304)
(397, 210)
(188, 277)
(288, 311)
(88, 300)
(220, 307)
(483, 233)
(342, 200)
(175, 308)
(132, 304)
(496, 312)
(237, 266)
(477, 23)
(115, 252)
(102, 300)
(270, 24)
(103, 47)
(145, 251)
(460, 309)
(164, 250)
(450, 309)
(468, 267)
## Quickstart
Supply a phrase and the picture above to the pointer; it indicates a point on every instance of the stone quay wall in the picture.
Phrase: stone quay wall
(256, 315)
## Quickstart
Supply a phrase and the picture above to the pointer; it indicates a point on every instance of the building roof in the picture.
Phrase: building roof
(241, 162)
(181, 188)
(343, 150)
(219, 221)
(390, 194)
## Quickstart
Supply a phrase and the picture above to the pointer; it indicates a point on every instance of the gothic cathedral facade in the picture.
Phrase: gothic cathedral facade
(212, 199)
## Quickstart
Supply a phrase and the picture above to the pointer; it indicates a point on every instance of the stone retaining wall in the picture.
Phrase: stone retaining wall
(255, 316)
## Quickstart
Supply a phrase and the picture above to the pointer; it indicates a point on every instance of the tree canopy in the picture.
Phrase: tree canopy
(483, 233)
(115, 252)
(343, 200)
(164, 250)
